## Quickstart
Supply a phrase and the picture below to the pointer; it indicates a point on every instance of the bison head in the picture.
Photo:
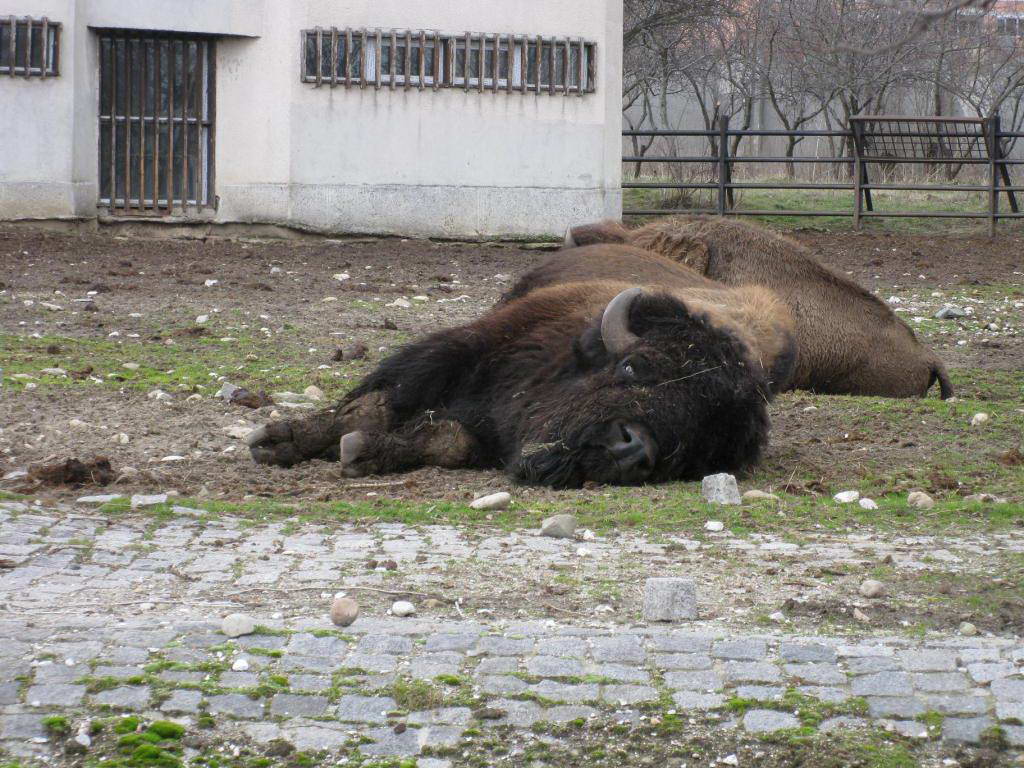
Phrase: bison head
(653, 391)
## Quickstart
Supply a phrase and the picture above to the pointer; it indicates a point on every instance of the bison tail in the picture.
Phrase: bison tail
(945, 385)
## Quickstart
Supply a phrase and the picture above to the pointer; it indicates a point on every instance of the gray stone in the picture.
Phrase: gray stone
(365, 709)
(520, 714)
(720, 489)
(323, 647)
(751, 672)
(570, 693)
(568, 713)
(559, 527)
(824, 693)
(682, 661)
(9, 693)
(445, 716)
(502, 665)
(768, 721)
(685, 700)
(293, 705)
(806, 652)
(1008, 688)
(314, 683)
(977, 655)
(566, 647)
(384, 644)
(501, 684)
(870, 664)
(817, 673)
(1010, 710)
(883, 684)
(949, 312)
(928, 660)
(681, 643)
(181, 676)
(956, 705)
(498, 645)
(125, 697)
(183, 702)
(627, 695)
(552, 666)
(316, 738)
(895, 706)
(430, 666)
(623, 648)
(235, 705)
(740, 650)
(965, 729)
(986, 673)
(694, 680)
(55, 695)
(21, 727)
(239, 679)
(939, 682)
(1014, 735)
(760, 692)
(450, 642)
(372, 662)
(843, 722)
(670, 599)
(619, 673)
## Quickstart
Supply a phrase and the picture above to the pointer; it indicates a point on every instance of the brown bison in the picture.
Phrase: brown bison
(605, 380)
(848, 341)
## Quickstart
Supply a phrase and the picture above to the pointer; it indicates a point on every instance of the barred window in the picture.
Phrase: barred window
(472, 61)
(1009, 25)
(29, 47)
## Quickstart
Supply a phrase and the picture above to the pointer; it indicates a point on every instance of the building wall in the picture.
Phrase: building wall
(440, 163)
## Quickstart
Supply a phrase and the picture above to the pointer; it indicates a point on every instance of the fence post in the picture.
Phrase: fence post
(992, 133)
(723, 163)
(858, 175)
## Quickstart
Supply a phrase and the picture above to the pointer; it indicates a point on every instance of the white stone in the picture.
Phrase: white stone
(979, 419)
(720, 489)
(144, 500)
(210, 283)
(872, 588)
(240, 665)
(120, 438)
(714, 526)
(237, 431)
(341, 276)
(131, 366)
(99, 499)
(499, 500)
(159, 395)
(670, 599)
(559, 526)
(54, 371)
(846, 497)
(967, 629)
(202, 319)
(920, 500)
(238, 624)
(313, 392)
(402, 608)
(52, 307)
(401, 303)
(868, 504)
(755, 495)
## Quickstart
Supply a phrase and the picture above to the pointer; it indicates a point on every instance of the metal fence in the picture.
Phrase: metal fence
(869, 144)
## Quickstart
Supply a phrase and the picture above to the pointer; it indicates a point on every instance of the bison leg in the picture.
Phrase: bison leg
(285, 443)
(438, 443)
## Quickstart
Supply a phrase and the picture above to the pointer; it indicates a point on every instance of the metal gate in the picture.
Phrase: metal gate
(156, 124)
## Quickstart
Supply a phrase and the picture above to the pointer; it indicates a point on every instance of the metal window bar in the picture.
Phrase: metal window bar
(29, 47)
(156, 123)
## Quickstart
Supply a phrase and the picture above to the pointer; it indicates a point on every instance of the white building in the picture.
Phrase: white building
(331, 115)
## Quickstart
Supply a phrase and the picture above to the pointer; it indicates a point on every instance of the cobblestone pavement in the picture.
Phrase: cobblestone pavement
(102, 617)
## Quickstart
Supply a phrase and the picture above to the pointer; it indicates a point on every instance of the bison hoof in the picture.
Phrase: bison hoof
(352, 447)
(272, 444)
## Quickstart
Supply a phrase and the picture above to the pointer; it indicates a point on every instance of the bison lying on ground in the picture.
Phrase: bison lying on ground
(610, 381)
(849, 342)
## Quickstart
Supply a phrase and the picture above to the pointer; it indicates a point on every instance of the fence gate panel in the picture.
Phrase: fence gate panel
(156, 123)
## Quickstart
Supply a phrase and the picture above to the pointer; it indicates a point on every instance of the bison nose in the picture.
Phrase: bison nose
(632, 446)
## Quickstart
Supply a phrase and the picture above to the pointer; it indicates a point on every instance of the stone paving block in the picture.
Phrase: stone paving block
(387, 743)
(686, 700)
(444, 716)
(295, 705)
(365, 709)
(303, 644)
(682, 661)
(882, 684)
(9, 693)
(827, 694)
(22, 727)
(987, 672)
(55, 695)
(499, 665)
(1014, 735)
(59, 673)
(231, 679)
(868, 665)
(694, 680)
(314, 683)
(977, 655)
(430, 666)
(863, 651)
(235, 705)
(182, 702)
(768, 721)
(372, 662)
(450, 642)
(895, 706)
(842, 722)
(956, 705)
(939, 682)
(565, 647)
(567, 693)
(802, 653)
(311, 664)
(927, 660)
(182, 676)
(1008, 688)
(567, 713)
(126, 697)
(497, 645)
(678, 642)
(817, 673)
(619, 648)
(552, 666)
(310, 737)
(912, 729)
(391, 644)
(126, 655)
(751, 672)
(965, 729)
(267, 642)
(520, 714)
(739, 650)
(620, 673)
(760, 692)
(1010, 710)
(627, 695)
(501, 684)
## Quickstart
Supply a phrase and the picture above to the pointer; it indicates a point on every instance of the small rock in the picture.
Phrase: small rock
(499, 500)
(238, 432)
(344, 611)
(860, 616)
(714, 526)
(979, 419)
(202, 319)
(313, 392)
(403, 608)
(489, 713)
(559, 527)
(778, 617)
(846, 497)
(868, 504)
(120, 438)
(147, 500)
(670, 599)
(401, 303)
(729, 760)
(226, 391)
(210, 283)
(54, 371)
(100, 499)
(720, 489)
(238, 624)
(240, 665)
(949, 312)
(920, 500)
(131, 366)
(967, 629)
(985, 498)
(755, 495)
(159, 395)
(872, 588)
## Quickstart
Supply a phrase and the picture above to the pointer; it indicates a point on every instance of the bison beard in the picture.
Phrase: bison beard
(573, 383)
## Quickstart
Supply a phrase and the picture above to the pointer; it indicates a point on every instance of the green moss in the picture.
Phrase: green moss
(58, 725)
(167, 730)
(415, 695)
(128, 724)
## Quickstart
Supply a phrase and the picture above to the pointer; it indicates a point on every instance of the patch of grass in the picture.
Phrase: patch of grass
(128, 724)
(58, 725)
(416, 695)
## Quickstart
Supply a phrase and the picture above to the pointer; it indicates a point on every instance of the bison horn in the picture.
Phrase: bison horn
(570, 241)
(615, 322)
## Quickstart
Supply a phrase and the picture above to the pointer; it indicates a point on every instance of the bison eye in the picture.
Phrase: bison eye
(627, 368)
(627, 371)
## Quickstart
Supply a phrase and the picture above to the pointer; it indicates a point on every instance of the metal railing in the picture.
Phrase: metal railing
(875, 140)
